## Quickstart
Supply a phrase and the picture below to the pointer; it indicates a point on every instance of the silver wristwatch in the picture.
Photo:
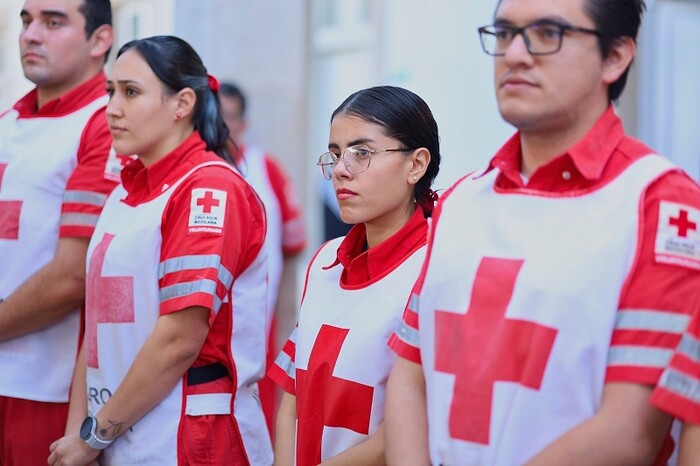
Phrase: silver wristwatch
(88, 432)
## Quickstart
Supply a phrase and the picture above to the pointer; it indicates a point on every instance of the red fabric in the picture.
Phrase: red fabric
(237, 245)
(65, 104)
(362, 266)
(89, 176)
(28, 428)
(210, 439)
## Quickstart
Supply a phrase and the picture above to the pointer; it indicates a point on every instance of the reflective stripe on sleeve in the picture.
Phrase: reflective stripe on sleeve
(690, 348)
(629, 355)
(651, 320)
(284, 361)
(84, 197)
(78, 220)
(196, 262)
(681, 384)
(185, 289)
(408, 335)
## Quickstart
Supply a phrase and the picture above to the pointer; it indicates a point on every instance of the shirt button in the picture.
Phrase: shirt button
(566, 174)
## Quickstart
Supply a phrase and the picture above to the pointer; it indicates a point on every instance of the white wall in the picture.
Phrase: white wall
(13, 84)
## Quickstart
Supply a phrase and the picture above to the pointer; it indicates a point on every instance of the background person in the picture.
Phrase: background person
(285, 238)
(176, 283)
(538, 337)
(335, 365)
(55, 174)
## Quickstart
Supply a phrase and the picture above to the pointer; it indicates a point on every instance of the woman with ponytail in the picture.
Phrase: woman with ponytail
(383, 155)
(176, 283)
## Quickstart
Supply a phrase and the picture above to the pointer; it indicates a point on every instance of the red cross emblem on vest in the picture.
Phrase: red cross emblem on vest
(207, 202)
(108, 300)
(9, 213)
(483, 347)
(683, 223)
(325, 400)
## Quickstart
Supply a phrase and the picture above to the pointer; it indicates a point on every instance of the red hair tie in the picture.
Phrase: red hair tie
(428, 203)
(213, 83)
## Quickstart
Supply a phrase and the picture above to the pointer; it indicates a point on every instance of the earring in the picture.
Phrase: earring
(178, 115)
(415, 178)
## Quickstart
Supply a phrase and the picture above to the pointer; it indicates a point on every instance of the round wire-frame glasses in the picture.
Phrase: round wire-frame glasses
(355, 158)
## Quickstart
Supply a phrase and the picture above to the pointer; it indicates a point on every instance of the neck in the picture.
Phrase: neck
(176, 137)
(381, 229)
(47, 93)
(540, 146)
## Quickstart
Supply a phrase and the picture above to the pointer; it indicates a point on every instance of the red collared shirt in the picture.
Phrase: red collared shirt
(362, 266)
(69, 102)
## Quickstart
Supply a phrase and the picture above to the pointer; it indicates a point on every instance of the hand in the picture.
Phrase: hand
(70, 450)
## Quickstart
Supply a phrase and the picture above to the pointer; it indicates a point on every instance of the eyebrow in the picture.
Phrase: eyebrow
(554, 19)
(351, 143)
(49, 13)
(122, 82)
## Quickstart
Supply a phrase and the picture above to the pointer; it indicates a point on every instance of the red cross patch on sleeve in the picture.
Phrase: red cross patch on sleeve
(677, 235)
(207, 211)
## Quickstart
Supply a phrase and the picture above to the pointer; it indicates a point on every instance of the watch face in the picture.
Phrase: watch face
(86, 428)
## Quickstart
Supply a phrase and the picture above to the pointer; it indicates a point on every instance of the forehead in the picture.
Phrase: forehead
(131, 66)
(38, 7)
(524, 11)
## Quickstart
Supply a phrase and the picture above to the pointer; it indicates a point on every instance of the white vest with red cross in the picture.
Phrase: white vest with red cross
(122, 308)
(37, 157)
(342, 357)
(516, 312)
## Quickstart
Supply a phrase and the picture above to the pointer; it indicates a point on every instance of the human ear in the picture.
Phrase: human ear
(185, 102)
(101, 40)
(619, 59)
(420, 159)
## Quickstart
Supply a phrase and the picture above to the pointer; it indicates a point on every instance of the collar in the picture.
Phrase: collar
(143, 183)
(583, 164)
(69, 102)
(361, 265)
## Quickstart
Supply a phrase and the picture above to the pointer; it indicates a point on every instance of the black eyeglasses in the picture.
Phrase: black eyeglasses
(541, 37)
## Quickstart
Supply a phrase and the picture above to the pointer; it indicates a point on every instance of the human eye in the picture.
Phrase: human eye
(110, 91)
(26, 21)
(547, 31)
(130, 92)
(360, 152)
(54, 23)
(502, 32)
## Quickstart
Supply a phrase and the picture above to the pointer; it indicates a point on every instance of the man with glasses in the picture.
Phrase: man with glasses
(538, 336)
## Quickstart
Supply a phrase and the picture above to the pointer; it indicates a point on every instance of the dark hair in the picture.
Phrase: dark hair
(96, 14)
(615, 19)
(229, 89)
(404, 117)
(178, 66)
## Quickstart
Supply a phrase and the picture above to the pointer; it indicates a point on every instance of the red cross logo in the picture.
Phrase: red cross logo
(207, 202)
(324, 400)
(483, 347)
(108, 300)
(683, 224)
(9, 213)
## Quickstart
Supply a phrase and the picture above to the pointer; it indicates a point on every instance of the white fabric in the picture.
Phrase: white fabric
(577, 251)
(371, 314)
(256, 174)
(41, 155)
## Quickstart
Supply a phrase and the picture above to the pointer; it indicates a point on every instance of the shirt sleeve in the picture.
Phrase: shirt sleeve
(678, 391)
(663, 289)
(283, 371)
(212, 229)
(293, 231)
(89, 184)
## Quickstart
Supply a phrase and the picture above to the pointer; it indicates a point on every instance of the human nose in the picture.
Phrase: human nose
(341, 167)
(517, 51)
(113, 109)
(31, 32)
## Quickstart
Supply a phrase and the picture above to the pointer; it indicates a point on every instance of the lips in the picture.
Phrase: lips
(344, 194)
(517, 82)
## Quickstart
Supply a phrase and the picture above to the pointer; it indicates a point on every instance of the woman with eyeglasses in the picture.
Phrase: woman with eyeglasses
(383, 157)
(176, 283)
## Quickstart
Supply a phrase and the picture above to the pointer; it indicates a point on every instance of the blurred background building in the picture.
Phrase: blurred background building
(298, 59)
